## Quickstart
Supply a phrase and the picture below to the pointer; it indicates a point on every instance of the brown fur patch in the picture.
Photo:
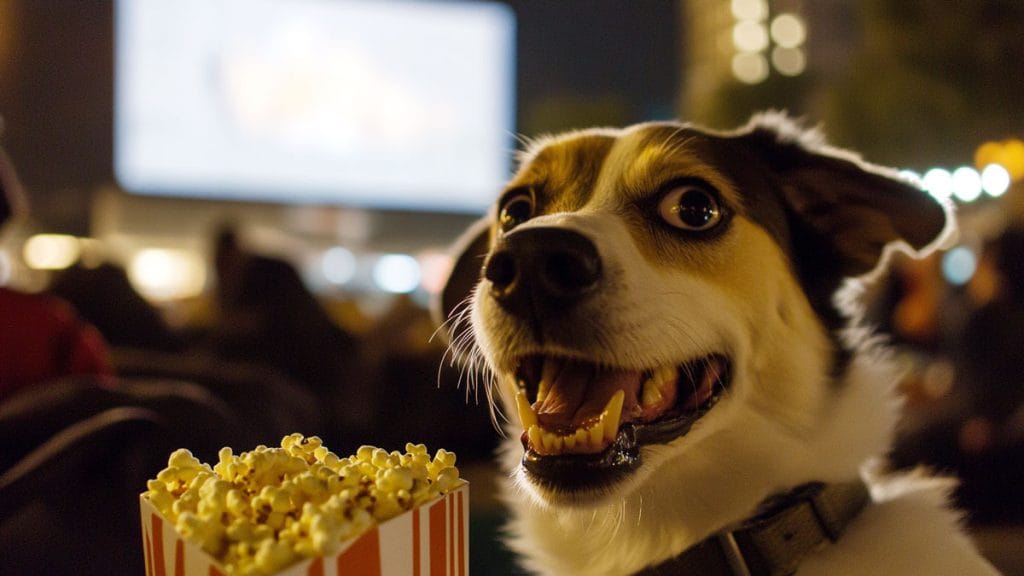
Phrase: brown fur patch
(563, 172)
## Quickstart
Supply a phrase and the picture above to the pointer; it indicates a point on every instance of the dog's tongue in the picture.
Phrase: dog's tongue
(578, 392)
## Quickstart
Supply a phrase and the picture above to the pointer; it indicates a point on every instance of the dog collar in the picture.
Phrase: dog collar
(786, 529)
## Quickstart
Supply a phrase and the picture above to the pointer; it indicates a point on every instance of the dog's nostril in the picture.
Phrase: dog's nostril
(568, 273)
(500, 269)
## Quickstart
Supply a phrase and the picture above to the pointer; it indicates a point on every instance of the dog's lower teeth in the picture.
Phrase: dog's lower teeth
(581, 437)
(590, 439)
(596, 433)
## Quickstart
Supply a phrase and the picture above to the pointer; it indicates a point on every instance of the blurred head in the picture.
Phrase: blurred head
(226, 245)
(12, 199)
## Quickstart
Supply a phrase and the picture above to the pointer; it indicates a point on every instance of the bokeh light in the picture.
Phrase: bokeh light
(167, 274)
(966, 184)
(397, 273)
(749, 9)
(51, 251)
(435, 267)
(995, 180)
(959, 265)
(788, 31)
(789, 61)
(338, 265)
(749, 68)
(938, 182)
(749, 36)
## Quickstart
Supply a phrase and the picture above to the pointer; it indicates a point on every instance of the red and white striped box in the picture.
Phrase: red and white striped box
(431, 540)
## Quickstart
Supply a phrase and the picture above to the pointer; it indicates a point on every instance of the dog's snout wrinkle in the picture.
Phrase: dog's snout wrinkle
(537, 271)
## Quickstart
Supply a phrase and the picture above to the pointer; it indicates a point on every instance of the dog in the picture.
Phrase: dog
(661, 306)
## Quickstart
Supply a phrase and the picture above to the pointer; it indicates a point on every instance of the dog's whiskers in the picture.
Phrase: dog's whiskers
(640, 509)
(473, 368)
(670, 145)
(525, 142)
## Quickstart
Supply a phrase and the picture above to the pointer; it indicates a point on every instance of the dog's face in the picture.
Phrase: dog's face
(639, 293)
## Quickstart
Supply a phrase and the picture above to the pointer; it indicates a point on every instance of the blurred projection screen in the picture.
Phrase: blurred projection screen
(371, 103)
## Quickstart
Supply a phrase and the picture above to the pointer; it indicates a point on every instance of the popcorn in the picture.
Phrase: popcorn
(258, 512)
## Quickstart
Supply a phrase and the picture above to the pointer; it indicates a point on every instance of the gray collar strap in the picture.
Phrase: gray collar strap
(786, 529)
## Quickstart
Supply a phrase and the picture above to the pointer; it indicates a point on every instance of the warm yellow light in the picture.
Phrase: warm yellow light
(1013, 158)
(788, 30)
(165, 274)
(749, 36)
(1008, 153)
(749, 9)
(51, 251)
(987, 153)
(750, 68)
(789, 61)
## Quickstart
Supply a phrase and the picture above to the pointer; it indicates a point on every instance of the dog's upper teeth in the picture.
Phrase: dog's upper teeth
(594, 437)
(653, 391)
(543, 387)
(651, 395)
(612, 415)
(526, 414)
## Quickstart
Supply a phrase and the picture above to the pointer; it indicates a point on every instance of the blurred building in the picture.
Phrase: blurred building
(908, 83)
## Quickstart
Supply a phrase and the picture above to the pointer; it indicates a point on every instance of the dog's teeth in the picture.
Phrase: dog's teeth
(543, 388)
(586, 439)
(526, 414)
(654, 388)
(570, 441)
(612, 413)
(555, 443)
(534, 433)
(581, 437)
(552, 442)
(651, 394)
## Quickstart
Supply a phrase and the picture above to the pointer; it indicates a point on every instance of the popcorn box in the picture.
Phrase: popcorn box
(430, 540)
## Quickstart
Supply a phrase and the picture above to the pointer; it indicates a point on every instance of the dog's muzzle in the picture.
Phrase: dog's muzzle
(584, 422)
(539, 273)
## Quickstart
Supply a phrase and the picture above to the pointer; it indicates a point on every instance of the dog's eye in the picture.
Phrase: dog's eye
(515, 210)
(690, 207)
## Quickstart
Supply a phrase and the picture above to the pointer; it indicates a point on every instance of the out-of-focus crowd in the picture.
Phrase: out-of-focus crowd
(97, 388)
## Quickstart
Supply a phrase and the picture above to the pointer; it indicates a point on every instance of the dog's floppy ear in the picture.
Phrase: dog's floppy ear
(854, 208)
(468, 255)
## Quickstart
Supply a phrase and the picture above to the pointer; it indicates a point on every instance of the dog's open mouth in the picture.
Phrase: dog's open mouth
(584, 423)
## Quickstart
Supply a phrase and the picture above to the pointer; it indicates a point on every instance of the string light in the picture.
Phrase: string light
(761, 47)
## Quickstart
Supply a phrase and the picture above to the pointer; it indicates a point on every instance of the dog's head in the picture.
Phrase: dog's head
(635, 292)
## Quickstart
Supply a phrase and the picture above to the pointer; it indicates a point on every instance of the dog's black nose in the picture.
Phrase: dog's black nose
(542, 270)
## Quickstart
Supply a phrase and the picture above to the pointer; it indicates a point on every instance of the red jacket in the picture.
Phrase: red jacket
(41, 338)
